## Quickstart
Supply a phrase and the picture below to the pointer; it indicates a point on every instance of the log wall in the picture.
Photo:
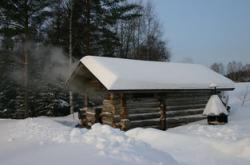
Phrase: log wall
(144, 112)
(155, 110)
(183, 108)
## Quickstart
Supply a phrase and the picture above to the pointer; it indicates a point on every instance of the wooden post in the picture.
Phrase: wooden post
(163, 115)
(86, 100)
(114, 110)
(82, 113)
(111, 96)
(124, 113)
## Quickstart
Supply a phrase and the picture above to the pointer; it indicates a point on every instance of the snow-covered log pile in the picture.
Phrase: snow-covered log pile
(215, 107)
(216, 111)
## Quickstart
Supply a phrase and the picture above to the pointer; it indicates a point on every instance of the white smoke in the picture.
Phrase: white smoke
(50, 64)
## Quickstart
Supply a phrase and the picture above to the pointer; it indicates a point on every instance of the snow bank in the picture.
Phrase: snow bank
(192, 149)
(53, 141)
(102, 140)
(114, 143)
(198, 143)
(240, 100)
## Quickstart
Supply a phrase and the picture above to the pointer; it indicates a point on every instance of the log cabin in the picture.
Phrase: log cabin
(134, 93)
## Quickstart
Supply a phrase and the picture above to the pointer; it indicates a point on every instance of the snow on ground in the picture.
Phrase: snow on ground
(54, 140)
(48, 141)
(199, 143)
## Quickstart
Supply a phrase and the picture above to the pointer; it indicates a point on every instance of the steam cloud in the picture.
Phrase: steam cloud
(47, 63)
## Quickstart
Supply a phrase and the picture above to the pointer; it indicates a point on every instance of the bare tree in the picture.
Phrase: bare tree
(218, 67)
(141, 37)
(243, 95)
(235, 70)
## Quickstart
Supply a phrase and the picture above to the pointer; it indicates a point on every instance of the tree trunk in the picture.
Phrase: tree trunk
(88, 27)
(70, 57)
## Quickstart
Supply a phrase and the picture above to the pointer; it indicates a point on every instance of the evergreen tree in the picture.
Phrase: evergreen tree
(24, 17)
(23, 20)
(93, 25)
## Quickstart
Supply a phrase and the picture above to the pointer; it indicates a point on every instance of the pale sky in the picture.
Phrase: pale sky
(206, 31)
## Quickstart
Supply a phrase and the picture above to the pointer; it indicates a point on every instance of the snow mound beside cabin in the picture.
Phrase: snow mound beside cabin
(44, 135)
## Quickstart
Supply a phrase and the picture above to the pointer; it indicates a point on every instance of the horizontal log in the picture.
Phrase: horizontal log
(134, 100)
(182, 97)
(112, 124)
(110, 117)
(83, 109)
(113, 108)
(143, 110)
(108, 106)
(106, 114)
(172, 125)
(143, 116)
(108, 122)
(109, 109)
(93, 116)
(144, 123)
(185, 119)
(143, 104)
(90, 117)
(115, 111)
(186, 112)
(157, 126)
(183, 107)
(111, 102)
(185, 101)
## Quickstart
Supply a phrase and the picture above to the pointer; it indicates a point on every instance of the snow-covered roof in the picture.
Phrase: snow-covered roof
(126, 74)
(214, 106)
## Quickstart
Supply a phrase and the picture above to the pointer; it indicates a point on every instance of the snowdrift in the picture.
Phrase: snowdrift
(52, 141)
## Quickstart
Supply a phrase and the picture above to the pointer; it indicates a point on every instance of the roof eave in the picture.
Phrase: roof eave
(164, 90)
